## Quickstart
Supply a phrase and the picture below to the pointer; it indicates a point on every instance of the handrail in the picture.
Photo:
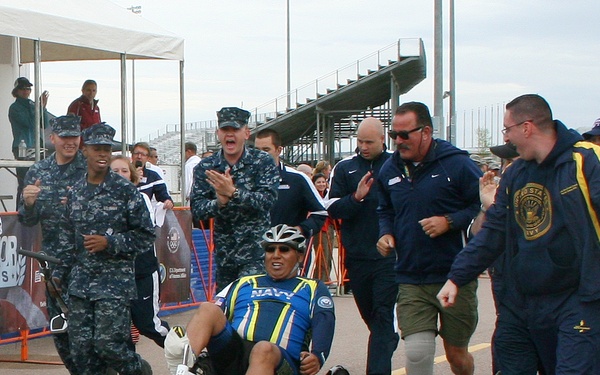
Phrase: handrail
(303, 94)
(404, 47)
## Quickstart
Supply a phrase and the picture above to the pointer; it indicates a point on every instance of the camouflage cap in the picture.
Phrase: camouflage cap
(233, 116)
(99, 134)
(494, 166)
(66, 126)
(477, 159)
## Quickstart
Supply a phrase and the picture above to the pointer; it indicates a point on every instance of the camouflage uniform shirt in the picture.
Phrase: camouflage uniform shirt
(55, 181)
(116, 210)
(48, 208)
(240, 224)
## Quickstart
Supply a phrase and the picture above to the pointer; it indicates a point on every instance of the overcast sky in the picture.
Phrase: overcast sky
(235, 54)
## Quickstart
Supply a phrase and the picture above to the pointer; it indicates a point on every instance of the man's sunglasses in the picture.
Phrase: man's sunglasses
(404, 134)
(282, 248)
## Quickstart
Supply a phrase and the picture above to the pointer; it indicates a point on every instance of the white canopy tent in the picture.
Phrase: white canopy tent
(85, 30)
(65, 30)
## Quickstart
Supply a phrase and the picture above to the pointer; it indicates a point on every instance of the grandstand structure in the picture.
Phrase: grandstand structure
(322, 117)
(168, 144)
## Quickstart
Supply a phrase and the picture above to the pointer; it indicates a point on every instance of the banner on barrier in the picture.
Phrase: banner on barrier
(22, 290)
(173, 248)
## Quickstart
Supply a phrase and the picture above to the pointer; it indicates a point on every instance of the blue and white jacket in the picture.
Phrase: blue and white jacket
(298, 202)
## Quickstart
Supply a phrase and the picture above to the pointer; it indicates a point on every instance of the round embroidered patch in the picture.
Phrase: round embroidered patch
(325, 302)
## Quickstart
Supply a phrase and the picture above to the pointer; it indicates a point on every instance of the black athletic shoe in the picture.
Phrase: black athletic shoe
(146, 369)
(203, 365)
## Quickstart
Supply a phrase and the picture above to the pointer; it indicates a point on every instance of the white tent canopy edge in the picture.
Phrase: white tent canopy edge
(47, 31)
(103, 31)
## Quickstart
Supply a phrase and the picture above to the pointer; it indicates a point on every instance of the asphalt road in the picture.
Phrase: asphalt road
(349, 346)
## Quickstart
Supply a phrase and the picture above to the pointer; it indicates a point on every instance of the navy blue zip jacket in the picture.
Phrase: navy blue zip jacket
(446, 182)
(541, 224)
(360, 228)
(152, 185)
(298, 198)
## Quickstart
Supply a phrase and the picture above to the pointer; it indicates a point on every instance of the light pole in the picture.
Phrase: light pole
(438, 69)
(448, 95)
(288, 58)
(448, 133)
(452, 78)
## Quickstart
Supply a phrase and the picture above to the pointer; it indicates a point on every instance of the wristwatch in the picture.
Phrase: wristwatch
(236, 194)
(450, 221)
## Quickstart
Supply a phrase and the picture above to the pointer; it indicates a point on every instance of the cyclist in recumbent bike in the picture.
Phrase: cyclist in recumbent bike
(260, 324)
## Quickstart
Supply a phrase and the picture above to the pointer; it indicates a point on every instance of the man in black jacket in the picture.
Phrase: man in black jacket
(353, 196)
(298, 202)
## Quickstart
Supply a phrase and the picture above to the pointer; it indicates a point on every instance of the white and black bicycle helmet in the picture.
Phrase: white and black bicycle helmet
(284, 234)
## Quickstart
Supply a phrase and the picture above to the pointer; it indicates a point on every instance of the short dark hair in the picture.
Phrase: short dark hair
(191, 146)
(89, 82)
(419, 109)
(275, 137)
(531, 107)
(316, 176)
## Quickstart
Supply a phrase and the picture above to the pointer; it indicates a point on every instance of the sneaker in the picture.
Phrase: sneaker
(146, 368)
(203, 365)
(176, 348)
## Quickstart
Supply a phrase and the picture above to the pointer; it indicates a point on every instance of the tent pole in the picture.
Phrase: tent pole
(38, 102)
(133, 101)
(123, 103)
(182, 133)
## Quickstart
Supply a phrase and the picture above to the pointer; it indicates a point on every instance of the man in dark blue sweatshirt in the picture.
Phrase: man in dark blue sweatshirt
(353, 198)
(544, 226)
(298, 203)
(428, 195)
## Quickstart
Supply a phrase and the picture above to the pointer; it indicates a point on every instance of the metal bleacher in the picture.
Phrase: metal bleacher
(340, 101)
(202, 133)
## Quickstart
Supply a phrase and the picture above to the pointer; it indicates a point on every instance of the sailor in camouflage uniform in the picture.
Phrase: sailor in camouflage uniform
(106, 224)
(236, 186)
(46, 185)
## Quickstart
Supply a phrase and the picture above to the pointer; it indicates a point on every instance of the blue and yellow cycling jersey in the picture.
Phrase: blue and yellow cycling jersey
(282, 312)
